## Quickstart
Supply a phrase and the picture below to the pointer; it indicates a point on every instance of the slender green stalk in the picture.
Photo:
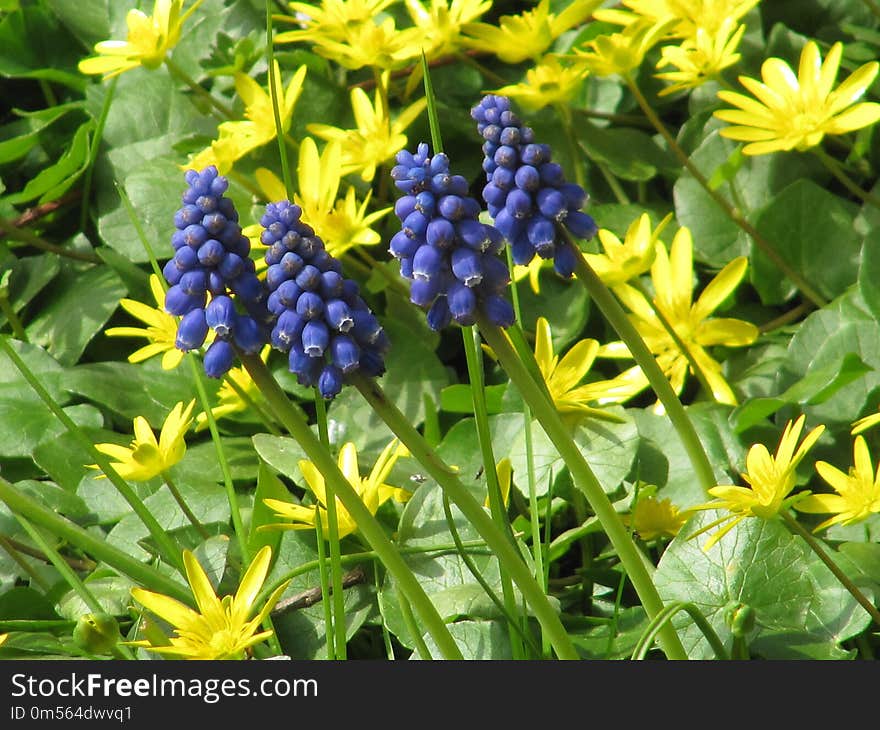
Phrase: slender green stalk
(512, 620)
(200, 90)
(836, 169)
(543, 409)
(25, 235)
(181, 502)
(23, 624)
(95, 546)
(11, 317)
(264, 417)
(329, 633)
(860, 597)
(805, 287)
(93, 154)
(475, 514)
(613, 312)
(231, 496)
(412, 627)
(496, 502)
(276, 109)
(166, 546)
(369, 527)
(665, 617)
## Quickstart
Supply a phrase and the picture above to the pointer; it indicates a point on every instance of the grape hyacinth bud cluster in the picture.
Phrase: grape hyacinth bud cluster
(320, 318)
(447, 253)
(212, 257)
(526, 192)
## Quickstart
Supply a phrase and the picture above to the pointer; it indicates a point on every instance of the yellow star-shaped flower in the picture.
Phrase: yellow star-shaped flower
(621, 262)
(548, 82)
(620, 53)
(146, 457)
(237, 138)
(654, 518)
(518, 38)
(794, 112)
(672, 275)
(700, 58)
(220, 628)
(372, 490)
(149, 39)
(376, 137)
(770, 479)
(858, 491)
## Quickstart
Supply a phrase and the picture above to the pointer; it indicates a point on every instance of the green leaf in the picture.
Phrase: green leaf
(798, 223)
(869, 272)
(78, 306)
(112, 592)
(760, 564)
(26, 603)
(476, 640)
(28, 277)
(458, 398)
(629, 153)
(55, 180)
(63, 457)
(16, 147)
(269, 486)
(815, 388)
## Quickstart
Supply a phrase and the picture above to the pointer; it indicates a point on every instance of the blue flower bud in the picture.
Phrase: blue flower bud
(425, 203)
(332, 284)
(338, 315)
(315, 338)
(423, 291)
(306, 368)
(462, 303)
(372, 363)
(220, 315)
(440, 234)
(178, 302)
(218, 359)
(191, 331)
(551, 203)
(542, 235)
(575, 196)
(580, 224)
(451, 207)
(247, 286)
(404, 206)
(551, 174)
(474, 234)
(310, 305)
(247, 335)
(366, 327)
(309, 278)
(211, 252)
(415, 224)
(518, 204)
(330, 381)
(467, 267)
(288, 327)
(195, 235)
(426, 262)
(499, 311)
(402, 245)
(193, 282)
(288, 293)
(171, 272)
(344, 353)
(564, 261)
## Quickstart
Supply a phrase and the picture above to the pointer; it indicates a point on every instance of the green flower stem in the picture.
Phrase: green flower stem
(23, 624)
(181, 502)
(97, 547)
(497, 541)
(181, 75)
(670, 330)
(73, 580)
(25, 235)
(93, 154)
(613, 312)
(368, 525)
(543, 409)
(805, 287)
(413, 628)
(496, 502)
(231, 496)
(836, 169)
(512, 620)
(166, 546)
(11, 317)
(329, 634)
(665, 617)
(337, 596)
(276, 110)
(803, 532)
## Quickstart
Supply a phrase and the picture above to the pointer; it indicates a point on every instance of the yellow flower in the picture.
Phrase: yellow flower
(770, 479)
(795, 112)
(220, 629)
(526, 36)
(700, 58)
(3, 638)
(858, 492)
(563, 377)
(438, 27)
(343, 223)
(161, 329)
(685, 15)
(549, 82)
(372, 490)
(624, 261)
(236, 387)
(376, 138)
(329, 19)
(653, 518)
(620, 53)
(237, 138)
(672, 275)
(149, 39)
(146, 457)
